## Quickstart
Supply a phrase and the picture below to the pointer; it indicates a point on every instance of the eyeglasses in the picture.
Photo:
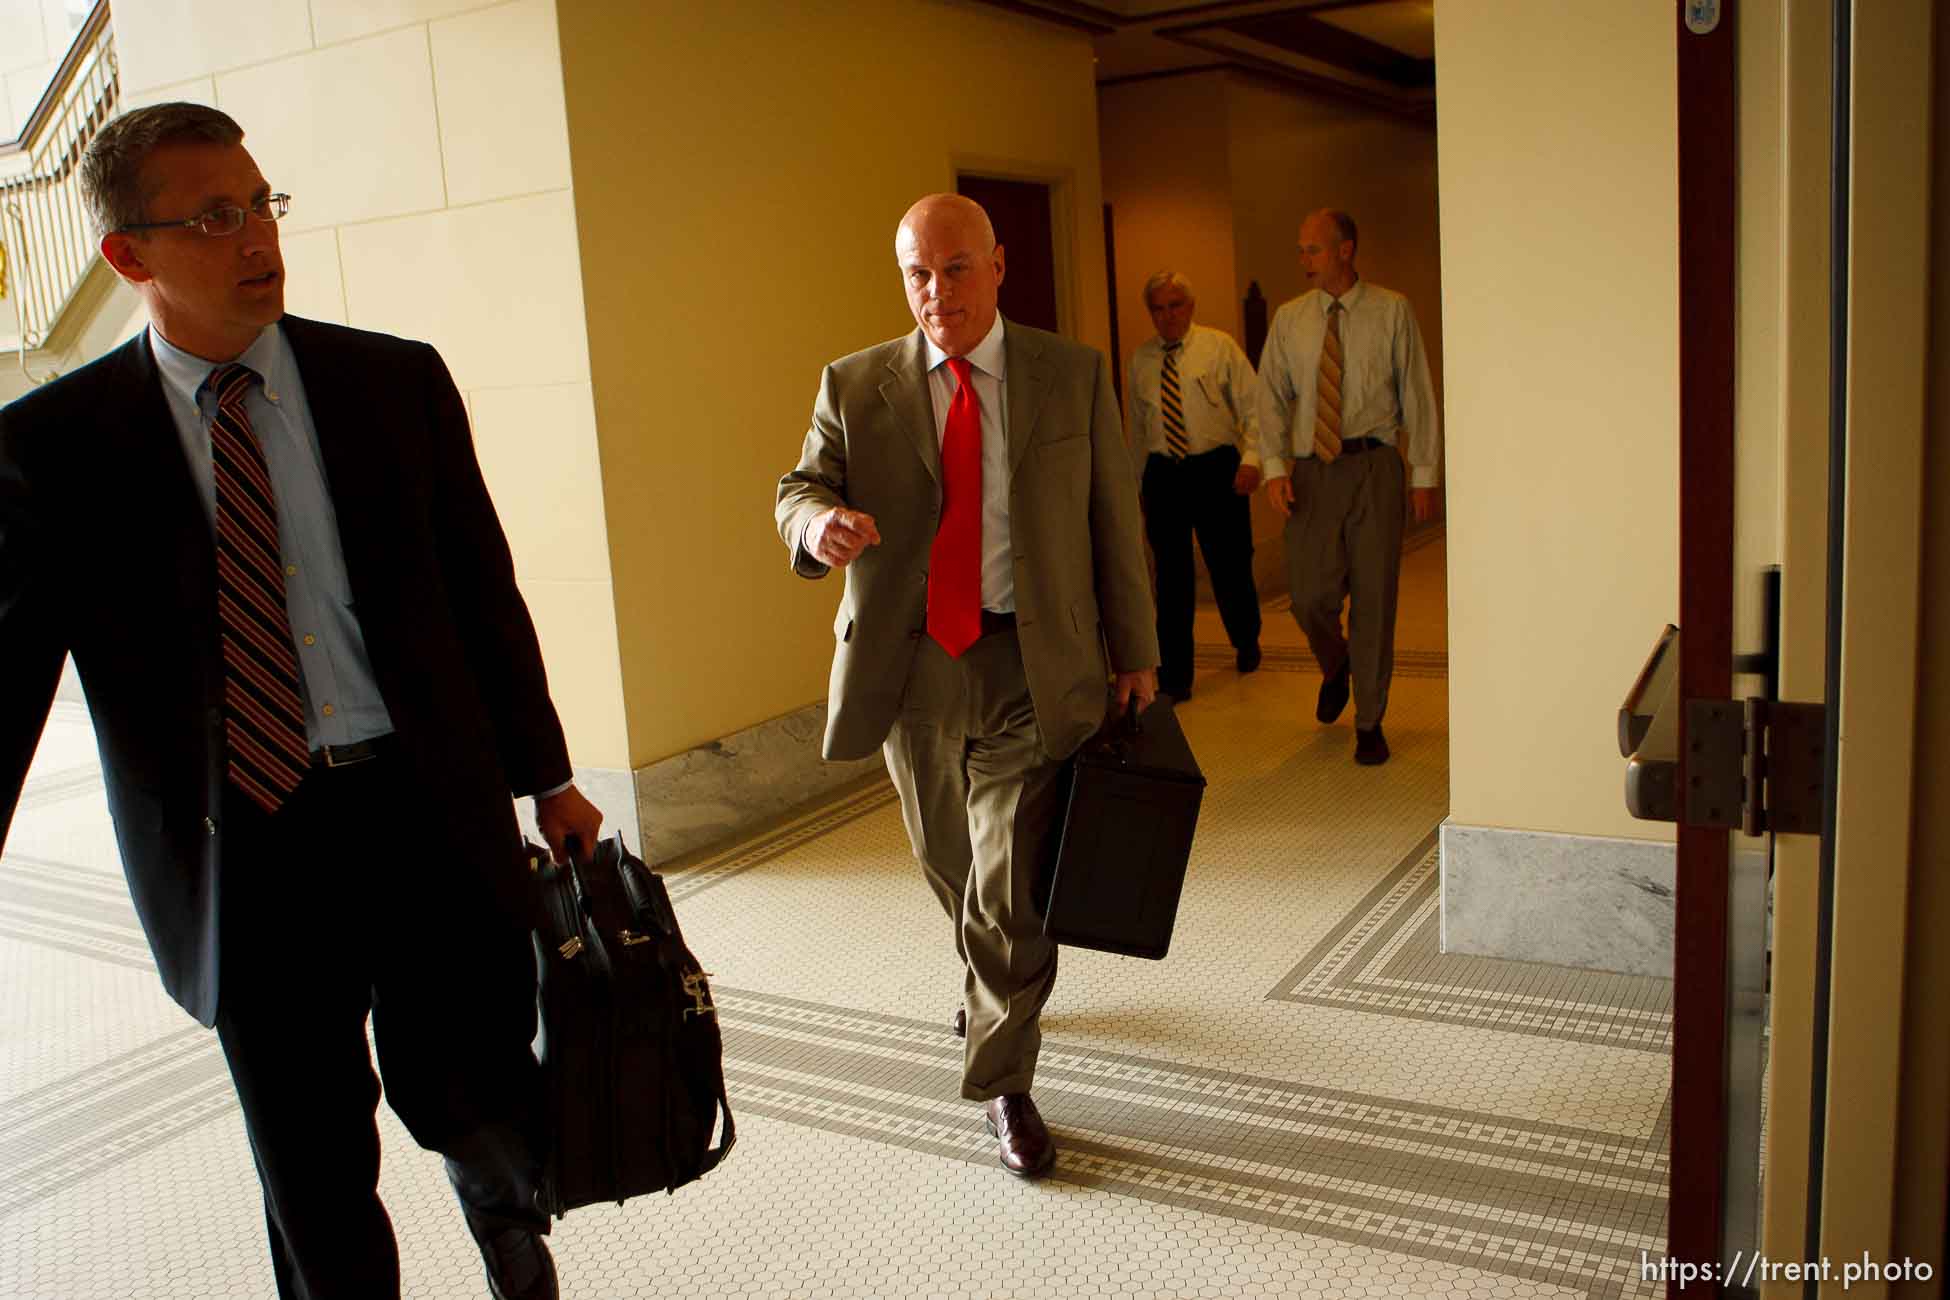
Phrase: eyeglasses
(227, 220)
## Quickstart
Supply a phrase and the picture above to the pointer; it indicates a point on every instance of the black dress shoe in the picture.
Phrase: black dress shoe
(1026, 1148)
(1333, 696)
(1370, 747)
(1177, 694)
(960, 1023)
(1248, 659)
(519, 1266)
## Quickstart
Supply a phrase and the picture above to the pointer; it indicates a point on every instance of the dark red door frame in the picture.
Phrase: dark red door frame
(1707, 226)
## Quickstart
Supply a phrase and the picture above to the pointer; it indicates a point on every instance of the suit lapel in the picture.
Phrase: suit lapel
(159, 486)
(1029, 385)
(906, 394)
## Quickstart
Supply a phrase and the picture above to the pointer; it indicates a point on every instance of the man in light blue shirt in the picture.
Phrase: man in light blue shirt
(1350, 435)
(315, 686)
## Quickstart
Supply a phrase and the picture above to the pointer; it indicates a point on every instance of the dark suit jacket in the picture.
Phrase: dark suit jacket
(106, 553)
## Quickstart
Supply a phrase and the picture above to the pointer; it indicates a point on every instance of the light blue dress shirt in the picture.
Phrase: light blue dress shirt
(342, 701)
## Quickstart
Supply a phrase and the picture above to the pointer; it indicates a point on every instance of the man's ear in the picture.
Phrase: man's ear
(124, 255)
(998, 264)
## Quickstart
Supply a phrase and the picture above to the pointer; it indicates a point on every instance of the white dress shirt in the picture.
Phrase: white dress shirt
(1216, 388)
(986, 372)
(1386, 393)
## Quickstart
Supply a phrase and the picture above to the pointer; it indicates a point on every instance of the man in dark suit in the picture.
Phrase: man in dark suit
(266, 543)
(971, 480)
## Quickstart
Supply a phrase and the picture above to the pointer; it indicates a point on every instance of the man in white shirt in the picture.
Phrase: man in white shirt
(1346, 414)
(1194, 424)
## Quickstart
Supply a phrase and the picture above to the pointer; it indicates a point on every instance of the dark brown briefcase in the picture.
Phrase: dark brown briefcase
(1127, 836)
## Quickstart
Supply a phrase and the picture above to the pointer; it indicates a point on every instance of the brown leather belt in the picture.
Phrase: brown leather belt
(359, 751)
(1354, 446)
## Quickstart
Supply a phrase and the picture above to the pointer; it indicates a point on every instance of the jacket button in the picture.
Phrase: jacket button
(915, 634)
(209, 826)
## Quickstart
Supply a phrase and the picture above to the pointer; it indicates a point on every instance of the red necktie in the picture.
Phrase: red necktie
(955, 561)
(264, 719)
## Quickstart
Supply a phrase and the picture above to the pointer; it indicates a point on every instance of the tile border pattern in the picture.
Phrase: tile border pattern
(1383, 958)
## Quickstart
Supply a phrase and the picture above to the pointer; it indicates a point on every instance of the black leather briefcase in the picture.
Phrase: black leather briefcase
(1127, 836)
(629, 1047)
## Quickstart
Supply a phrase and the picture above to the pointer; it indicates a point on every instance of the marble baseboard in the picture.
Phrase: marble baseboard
(1570, 900)
(710, 794)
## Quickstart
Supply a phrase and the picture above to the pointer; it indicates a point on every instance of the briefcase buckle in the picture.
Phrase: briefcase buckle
(698, 991)
(572, 946)
(631, 938)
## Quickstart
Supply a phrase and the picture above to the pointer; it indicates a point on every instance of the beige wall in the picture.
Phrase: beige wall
(1168, 179)
(34, 38)
(740, 169)
(425, 144)
(1558, 310)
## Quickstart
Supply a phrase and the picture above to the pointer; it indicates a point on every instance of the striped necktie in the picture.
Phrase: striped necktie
(1327, 389)
(264, 717)
(1172, 401)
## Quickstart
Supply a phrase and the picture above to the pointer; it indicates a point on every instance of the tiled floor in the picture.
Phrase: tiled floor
(1303, 1099)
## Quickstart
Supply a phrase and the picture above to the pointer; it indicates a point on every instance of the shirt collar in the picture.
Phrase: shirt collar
(1348, 300)
(985, 356)
(184, 372)
(1159, 341)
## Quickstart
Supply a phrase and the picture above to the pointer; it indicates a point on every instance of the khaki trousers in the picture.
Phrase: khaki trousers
(1344, 543)
(982, 802)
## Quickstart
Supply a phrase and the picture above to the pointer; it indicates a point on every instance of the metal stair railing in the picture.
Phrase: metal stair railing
(44, 225)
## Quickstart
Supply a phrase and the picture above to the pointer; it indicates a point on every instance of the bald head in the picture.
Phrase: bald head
(951, 268)
(937, 215)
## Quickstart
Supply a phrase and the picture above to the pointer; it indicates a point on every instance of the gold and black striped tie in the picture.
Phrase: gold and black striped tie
(264, 717)
(1327, 389)
(1173, 404)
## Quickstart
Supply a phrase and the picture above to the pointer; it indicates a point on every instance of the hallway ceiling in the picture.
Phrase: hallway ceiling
(1379, 52)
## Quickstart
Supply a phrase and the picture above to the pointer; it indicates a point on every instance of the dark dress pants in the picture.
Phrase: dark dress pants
(336, 909)
(1195, 496)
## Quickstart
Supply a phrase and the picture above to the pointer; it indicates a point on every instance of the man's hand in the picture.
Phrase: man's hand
(1279, 490)
(1246, 481)
(837, 537)
(1143, 684)
(565, 814)
(1422, 502)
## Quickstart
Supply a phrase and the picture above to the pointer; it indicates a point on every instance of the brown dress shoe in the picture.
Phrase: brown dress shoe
(1026, 1148)
(960, 1023)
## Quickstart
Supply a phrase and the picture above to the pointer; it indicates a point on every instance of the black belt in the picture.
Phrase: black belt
(359, 751)
(1355, 446)
(995, 620)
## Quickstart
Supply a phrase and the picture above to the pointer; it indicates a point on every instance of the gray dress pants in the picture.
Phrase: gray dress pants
(981, 801)
(1344, 544)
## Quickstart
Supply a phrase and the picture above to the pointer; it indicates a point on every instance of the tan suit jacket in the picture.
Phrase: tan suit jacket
(1082, 591)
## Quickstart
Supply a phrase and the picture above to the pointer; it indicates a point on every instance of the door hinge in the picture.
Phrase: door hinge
(1756, 764)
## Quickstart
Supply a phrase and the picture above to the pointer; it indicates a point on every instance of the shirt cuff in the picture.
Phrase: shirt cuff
(1422, 476)
(553, 791)
(1249, 457)
(1274, 468)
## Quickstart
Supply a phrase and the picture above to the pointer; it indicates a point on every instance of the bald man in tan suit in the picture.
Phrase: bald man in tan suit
(975, 706)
